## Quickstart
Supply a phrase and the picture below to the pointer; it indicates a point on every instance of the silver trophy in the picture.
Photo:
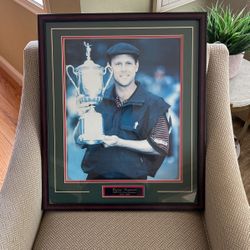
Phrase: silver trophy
(89, 84)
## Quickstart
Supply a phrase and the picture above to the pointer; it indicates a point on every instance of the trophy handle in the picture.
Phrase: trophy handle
(108, 67)
(70, 78)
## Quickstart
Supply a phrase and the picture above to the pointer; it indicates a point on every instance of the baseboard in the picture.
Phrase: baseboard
(11, 71)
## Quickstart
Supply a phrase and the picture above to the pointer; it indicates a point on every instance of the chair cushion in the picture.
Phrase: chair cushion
(121, 230)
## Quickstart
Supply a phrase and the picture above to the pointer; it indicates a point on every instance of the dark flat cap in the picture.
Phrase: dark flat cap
(122, 48)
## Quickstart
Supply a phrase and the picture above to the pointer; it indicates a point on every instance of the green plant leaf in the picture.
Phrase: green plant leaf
(231, 29)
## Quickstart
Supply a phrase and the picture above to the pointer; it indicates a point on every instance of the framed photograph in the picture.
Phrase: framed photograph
(123, 111)
(165, 5)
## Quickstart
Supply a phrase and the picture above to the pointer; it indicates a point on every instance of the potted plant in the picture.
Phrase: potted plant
(231, 29)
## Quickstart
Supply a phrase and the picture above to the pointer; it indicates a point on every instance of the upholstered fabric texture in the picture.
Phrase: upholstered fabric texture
(227, 212)
(224, 224)
(20, 197)
(121, 230)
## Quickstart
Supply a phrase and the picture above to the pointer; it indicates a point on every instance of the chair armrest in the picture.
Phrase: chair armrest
(227, 212)
(20, 197)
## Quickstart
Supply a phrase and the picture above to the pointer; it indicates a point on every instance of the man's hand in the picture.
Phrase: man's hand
(82, 107)
(142, 146)
(111, 141)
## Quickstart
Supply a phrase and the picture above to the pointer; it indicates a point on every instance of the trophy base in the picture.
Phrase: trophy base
(90, 141)
(91, 125)
(93, 142)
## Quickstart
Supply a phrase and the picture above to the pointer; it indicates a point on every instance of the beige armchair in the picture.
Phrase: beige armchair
(225, 223)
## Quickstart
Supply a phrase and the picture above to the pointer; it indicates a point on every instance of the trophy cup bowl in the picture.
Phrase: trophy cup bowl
(91, 87)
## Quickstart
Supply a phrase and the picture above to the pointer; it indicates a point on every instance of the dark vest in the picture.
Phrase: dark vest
(133, 121)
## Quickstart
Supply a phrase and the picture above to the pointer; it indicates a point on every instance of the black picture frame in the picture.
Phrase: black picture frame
(181, 37)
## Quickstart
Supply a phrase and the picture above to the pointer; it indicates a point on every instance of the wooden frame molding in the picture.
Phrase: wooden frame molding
(166, 5)
(11, 71)
(33, 7)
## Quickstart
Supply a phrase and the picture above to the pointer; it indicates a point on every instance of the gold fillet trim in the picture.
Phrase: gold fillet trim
(180, 192)
(53, 91)
(192, 106)
(82, 192)
(124, 28)
(53, 107)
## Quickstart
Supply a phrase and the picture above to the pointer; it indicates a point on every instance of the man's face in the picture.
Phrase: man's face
(124, 69)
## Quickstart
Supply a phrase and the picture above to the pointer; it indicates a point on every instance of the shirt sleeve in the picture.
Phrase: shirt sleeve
(159, 136)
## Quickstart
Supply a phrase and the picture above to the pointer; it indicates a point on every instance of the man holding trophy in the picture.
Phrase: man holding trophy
(124, 128)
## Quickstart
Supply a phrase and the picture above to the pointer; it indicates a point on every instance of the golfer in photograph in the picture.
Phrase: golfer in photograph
(136, 124)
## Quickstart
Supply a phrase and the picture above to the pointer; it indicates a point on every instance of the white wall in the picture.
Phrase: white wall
(111, 6)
